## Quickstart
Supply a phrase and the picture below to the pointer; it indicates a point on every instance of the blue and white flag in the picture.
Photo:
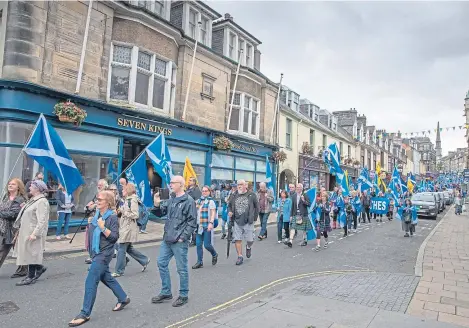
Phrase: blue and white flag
(47, 148)
(311, 194)
(158, 152)
(364, 182)
(112, 169)
(334, 157)
(137, 174)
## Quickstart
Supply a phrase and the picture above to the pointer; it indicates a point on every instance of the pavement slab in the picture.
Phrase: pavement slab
(445, 279)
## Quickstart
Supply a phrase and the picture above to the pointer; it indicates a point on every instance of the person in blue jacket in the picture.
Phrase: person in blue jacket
(283, 215)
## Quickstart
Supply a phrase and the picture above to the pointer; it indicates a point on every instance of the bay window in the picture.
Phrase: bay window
(245, 115)
(140, 78)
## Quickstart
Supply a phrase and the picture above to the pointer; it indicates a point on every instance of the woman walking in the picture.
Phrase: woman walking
(128, 231)
(407, 225)
(32, 222)
(10, 206)
(283, 216)
(206, 216)
(458, 204)
(323, 212)
(103, 234)
(64, 210)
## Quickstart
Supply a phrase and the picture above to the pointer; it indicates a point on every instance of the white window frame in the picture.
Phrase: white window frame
(288, 134)
(232, 50)
(241, 108)
(206, 30)
(249, 54)
(151, 5)
(199, 16)
(170, 80)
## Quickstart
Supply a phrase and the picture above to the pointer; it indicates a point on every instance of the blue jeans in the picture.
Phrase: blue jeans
(179, 251)
(144, 227)
(263, 218)
(96, 273)
(206, 239)
(63, 217)
(129, 249)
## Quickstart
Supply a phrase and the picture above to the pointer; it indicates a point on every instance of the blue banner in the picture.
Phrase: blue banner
(379, 205)
(137, 174)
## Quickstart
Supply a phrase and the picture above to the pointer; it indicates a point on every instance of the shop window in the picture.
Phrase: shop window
(179, 154)
(24, 169)
(222, 174)
(244, 164)
(219, 160)
(15, 132)
(140, 78)
(261, 167)
(246, 176)
(76, 140)
(178, 169)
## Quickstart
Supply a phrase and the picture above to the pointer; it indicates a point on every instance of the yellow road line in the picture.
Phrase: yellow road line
(214, 310)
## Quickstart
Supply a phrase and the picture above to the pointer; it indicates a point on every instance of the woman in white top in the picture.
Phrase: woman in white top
(64, 210)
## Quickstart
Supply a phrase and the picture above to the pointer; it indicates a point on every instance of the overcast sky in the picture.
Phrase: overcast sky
(405, 65)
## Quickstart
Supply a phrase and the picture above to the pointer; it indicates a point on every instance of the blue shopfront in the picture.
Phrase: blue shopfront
(110, 138)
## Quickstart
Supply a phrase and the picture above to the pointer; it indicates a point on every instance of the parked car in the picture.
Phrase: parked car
(447, 197)
(439, 201)
(426, 203)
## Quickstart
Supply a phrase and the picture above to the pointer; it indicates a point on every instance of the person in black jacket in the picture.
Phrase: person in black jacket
(299, 215)
(194, 191)
(10, 206)
(181, 221)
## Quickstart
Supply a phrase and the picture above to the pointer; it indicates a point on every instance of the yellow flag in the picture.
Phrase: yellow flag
(378, 173)
(188, 172)
(410, 186)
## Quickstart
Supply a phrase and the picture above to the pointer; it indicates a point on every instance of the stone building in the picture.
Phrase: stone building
(466, 113)
(428, 153)
(128, 64)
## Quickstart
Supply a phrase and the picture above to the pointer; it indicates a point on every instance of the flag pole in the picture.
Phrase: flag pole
(83, 48)
(277, 105)
(183, 117)
(234, 90)
(22, 149)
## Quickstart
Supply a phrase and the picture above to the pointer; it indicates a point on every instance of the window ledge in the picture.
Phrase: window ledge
(243, 134)
(204, 95)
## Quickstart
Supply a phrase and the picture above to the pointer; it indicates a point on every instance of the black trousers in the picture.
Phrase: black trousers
(355, 220)
(324, 233)
(368, 215)
(32, 269)
(285, 226)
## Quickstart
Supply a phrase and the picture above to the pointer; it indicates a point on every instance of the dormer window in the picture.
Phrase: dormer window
(249, 52)
(192, 23)
(204, 28)
(232, 46)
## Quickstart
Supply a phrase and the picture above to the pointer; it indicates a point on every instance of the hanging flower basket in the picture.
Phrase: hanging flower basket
(279, 156)
(222, 143)
(68, 112)
(307, 149)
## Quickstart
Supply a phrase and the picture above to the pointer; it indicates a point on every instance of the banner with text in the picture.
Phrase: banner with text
(379, 205)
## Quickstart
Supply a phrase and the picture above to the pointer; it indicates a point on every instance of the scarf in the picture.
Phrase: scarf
(203, 204)
(97, 232)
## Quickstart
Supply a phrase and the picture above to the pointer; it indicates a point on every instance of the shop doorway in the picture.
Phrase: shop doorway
(286, 177)
(332, 182)
(132, 149)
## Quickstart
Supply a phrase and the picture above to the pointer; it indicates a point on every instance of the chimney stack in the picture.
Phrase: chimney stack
(228, 16)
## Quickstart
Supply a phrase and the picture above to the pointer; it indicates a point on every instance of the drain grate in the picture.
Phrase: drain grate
(8, 307)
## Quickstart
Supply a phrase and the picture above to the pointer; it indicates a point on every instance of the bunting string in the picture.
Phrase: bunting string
(422, 133)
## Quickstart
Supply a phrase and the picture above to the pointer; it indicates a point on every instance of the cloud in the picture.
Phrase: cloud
(402, 64)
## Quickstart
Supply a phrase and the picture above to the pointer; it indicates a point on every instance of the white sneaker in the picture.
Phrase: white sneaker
(279, 242)
(58, 238)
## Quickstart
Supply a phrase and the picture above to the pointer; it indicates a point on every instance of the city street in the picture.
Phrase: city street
(57, 297)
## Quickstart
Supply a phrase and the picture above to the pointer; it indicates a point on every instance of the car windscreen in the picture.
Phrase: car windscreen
(423, 198)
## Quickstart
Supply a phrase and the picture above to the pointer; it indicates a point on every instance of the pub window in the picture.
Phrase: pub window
(140, 78)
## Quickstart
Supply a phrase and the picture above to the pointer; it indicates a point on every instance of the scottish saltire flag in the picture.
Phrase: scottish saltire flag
(394, 191)
(158, 152)
(404, 186)
(137, 174)
(47, 148)
(399, 212)
(357, 205)
(334, 156)
(311, 194)
(364, 182)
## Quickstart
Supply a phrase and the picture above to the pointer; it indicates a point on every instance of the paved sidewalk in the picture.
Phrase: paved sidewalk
(154, 229)
(316, 303)
(443, 291)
